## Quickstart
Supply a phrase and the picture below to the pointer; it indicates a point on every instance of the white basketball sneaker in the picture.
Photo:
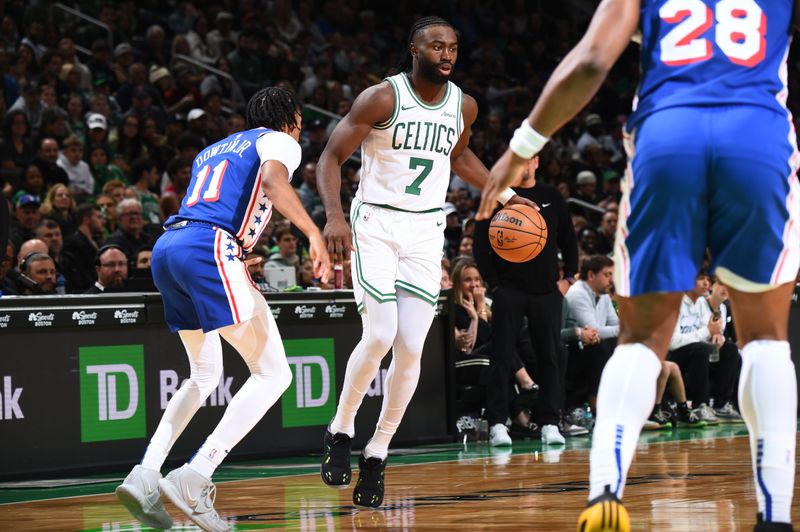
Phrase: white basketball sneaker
(552, 436)
(194, 494)
(498, 435)
(139, 494)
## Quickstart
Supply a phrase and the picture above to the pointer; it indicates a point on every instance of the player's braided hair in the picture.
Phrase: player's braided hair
(274, 108)
(421, 24)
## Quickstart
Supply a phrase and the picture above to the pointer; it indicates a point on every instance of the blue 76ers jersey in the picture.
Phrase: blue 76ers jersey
(711, 53)
(225, 189)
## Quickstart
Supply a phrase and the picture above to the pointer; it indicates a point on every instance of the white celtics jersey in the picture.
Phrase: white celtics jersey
(405, 161)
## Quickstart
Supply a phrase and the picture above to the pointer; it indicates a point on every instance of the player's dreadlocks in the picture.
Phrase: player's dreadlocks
(421, 24)
(274, 108)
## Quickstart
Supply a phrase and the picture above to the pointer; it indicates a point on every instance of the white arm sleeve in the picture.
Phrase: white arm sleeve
(277, 146)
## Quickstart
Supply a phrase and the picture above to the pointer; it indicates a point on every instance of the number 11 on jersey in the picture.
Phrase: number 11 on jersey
(212, 194)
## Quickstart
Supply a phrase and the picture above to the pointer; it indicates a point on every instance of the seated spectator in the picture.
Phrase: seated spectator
(102, 170)
(96, 133)
(473, 339)
(108, 208)
(49, 232)
(130, 235)
(128, 144)
(32, 184)
(307, 191)
(661, 417)
(143, 258)
(81, 247)
(446, 282)
(691, 346)
(54, 125)
(60, 207)
(16, 150)
(81, 181)
(465, 246)
(111, 266)
(725, 361)
(47, 161)
(41, 270)
(606, 233)
(287, 250)
(7, 286)
(144, 176)
(116, 189)
(26, 218)
(179, 171)
(590, 305)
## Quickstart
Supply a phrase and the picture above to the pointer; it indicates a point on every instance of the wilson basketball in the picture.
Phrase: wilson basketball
(518, 233)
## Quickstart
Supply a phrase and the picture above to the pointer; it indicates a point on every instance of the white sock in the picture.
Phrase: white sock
(206, 460)
(414, 318)
(205, 361)
(624, 401)
(768, 402)
(379, 323)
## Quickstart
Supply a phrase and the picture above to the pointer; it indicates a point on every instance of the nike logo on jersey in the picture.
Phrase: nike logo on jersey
(406, 108)
(545, 205)
(439, 224)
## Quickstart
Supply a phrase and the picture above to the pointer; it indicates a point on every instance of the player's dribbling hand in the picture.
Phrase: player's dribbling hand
(338, 238)
(503, 173)
(319, 256)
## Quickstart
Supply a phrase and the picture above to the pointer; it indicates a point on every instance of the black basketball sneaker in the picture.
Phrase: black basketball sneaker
(369, 488)
(335, 469)
(763, 526)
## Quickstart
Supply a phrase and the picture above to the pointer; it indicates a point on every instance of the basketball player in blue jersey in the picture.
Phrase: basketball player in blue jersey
(712, 163)
(413, 128)
(198, 266)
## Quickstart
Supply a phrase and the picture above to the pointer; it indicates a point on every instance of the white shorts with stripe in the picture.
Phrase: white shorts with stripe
(394, 250)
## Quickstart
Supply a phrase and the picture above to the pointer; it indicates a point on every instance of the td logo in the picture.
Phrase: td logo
(311, 397)
(112, 393)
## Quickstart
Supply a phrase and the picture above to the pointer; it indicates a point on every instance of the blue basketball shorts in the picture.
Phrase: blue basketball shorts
(722, 178)
(203, 280)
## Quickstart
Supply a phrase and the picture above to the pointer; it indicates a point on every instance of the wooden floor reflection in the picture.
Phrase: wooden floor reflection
(702, 484)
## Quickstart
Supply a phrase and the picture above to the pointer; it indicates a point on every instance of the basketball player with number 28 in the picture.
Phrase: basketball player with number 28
(712, 163)
(413, 128)
(198, 266)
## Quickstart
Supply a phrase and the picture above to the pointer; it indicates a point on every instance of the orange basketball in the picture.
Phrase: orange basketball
(518, 233)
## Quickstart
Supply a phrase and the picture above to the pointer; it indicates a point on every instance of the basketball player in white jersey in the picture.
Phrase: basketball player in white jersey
(413, 128)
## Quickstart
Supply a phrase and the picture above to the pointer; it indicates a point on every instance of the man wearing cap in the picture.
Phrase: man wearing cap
(26, 218)
(96, 135)
(196, 120)
(587, 186)
(46, 158)
(594, 134)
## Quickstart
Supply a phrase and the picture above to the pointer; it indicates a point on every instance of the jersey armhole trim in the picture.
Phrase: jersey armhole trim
(396, 111)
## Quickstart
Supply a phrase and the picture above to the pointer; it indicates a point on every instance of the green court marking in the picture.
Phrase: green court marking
(75, 486)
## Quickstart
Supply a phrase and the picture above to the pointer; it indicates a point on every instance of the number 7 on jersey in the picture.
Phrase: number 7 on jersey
(413, 164)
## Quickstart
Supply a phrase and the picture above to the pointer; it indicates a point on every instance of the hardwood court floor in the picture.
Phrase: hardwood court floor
(682, 480)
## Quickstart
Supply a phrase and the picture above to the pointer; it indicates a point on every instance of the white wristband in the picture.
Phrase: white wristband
(505, 195)
(526, 141)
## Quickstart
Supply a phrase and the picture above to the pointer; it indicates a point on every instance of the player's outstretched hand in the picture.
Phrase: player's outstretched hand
(338, 238)
(319, 256)
(503, 173)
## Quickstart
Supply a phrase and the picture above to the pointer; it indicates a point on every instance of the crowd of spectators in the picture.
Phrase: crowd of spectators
(100, 128)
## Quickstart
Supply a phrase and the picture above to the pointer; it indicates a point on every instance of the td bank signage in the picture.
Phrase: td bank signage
(311, 398)
(112, 393)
